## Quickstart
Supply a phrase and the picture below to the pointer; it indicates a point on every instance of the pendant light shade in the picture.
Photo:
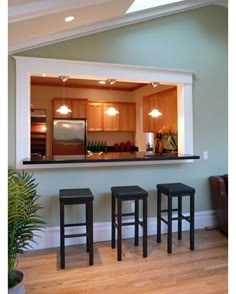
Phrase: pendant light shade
(155, 112)
(63, 109)
(111, 111)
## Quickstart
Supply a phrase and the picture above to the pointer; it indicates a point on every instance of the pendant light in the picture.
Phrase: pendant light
(63, 108)
(155, 112)
(111, 110)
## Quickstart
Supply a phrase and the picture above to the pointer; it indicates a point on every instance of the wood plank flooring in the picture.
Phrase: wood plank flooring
(203, 271)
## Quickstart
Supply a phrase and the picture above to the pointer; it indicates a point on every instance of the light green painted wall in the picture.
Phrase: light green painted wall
(195, 40)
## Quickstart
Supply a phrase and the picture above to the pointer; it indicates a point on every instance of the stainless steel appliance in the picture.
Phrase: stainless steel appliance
(69, 136)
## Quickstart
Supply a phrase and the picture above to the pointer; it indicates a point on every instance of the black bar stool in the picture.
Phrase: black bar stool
(175, 190)
(125, 193)
(70, 197)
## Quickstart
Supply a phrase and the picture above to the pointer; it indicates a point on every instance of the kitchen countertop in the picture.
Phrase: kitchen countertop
(109, 157)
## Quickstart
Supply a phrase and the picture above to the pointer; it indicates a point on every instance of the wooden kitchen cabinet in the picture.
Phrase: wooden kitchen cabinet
(110, 123)
(57, 103)
(166, 103)
(95, 116)
(127, 116)
(79, 108)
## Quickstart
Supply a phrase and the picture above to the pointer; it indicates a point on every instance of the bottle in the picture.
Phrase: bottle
(92, 146)
(95, 145)
(99, 146)
(160, 145)
(89, 146)
(105, 146)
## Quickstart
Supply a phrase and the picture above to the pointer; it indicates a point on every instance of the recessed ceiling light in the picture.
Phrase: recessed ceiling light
(102, 82)
(69, 18)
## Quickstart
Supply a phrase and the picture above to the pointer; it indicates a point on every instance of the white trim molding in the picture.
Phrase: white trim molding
(50, 237)
(27, 66)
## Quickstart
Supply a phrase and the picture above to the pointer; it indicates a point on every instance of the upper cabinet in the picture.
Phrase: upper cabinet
(95, 116)
(111, 122)
(57, 103)
(99, 120)
(95, 112)
(78, 107)
(166, 103)
(127, 117)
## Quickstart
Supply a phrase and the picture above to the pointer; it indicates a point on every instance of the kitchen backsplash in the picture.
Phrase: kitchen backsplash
(111, 138)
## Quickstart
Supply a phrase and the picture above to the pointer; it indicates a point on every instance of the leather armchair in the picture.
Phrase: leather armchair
(219, 196)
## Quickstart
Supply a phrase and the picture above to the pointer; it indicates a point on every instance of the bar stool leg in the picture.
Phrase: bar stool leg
(87, 226)
(90, 231)
(179, 217)
(159, 217)
(136, 234)
(169, 234)
(119, 228)
(192, 221)
(62, 236)
(145, 227)
(113, 227)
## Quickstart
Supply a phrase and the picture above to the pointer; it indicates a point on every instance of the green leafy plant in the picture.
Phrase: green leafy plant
(23, 218)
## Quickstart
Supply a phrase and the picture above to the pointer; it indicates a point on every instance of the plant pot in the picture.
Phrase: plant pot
(18, 288)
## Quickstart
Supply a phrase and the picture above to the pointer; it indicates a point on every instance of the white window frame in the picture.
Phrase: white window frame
(28, 66)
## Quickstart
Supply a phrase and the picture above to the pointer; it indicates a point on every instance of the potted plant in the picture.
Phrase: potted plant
(23, 222)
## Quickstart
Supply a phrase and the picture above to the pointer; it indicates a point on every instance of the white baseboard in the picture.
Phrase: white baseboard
(50, 237)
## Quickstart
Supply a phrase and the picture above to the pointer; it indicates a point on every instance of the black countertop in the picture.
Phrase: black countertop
(109, 157)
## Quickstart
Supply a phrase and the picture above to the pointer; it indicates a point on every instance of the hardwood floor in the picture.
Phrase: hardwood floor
(203, 271)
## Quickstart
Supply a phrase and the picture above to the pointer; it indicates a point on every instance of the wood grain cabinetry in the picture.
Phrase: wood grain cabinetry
(166, 103)
(110, 123)
(99, 120)
(127, 117)
(78, 107)
(57, 103)
(95, 116)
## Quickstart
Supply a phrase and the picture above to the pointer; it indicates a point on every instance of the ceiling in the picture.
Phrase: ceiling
(35, 23)
(84, 83)
(91, 84)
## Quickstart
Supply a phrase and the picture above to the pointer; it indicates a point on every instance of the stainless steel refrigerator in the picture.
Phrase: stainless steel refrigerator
(69, 137)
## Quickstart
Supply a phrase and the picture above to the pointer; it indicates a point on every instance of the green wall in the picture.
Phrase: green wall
(195, 40)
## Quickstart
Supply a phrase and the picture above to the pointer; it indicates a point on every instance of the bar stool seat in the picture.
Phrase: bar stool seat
(126, 193)
(175, 190)
(70, 197)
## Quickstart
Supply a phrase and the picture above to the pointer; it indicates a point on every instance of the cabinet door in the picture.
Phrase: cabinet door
(79, 108)
(111, 122)
(95, 116)
(57, 103)
(166, 103)
(127, 117)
